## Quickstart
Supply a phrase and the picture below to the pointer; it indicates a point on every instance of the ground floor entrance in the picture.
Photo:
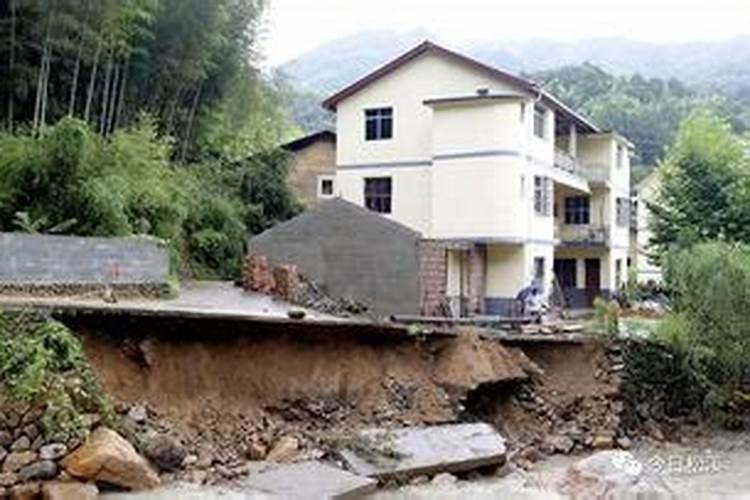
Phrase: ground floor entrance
(583, 274)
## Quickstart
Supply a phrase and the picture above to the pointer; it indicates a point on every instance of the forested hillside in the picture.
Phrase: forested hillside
(141, 117)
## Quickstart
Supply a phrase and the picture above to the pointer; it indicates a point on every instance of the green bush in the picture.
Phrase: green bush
(606, 317)
(42, 364)
(710, 323)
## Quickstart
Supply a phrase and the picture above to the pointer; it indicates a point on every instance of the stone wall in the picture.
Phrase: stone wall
(433, 271)
(39, 260)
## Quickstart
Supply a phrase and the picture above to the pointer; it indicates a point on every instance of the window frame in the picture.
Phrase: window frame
(622, 211)
(379, 123)
(577, 210)
(540, 122)
(540, 269)
(618, 273)
(378, 202)
(542, 196)
(620, 160)
(321, 180)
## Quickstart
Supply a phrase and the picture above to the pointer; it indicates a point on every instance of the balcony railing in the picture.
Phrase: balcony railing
(582, 235)
(596, 172)
(564, 161)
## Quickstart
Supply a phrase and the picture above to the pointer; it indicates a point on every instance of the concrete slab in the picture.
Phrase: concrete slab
(308, 480)
(427, 450)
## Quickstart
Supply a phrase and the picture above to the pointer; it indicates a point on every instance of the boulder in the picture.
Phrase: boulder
(107, 457)
(166, 452)
(402, 453)
(26, 491)
(8, 479)
(6, 439)
(71, 490)
(284, 450)
(17, 460)
(612, 474)
(42, 470)
(23, 443)
(53, 451)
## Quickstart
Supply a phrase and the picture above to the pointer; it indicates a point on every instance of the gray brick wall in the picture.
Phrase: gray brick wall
(351, 252)
(41, 259)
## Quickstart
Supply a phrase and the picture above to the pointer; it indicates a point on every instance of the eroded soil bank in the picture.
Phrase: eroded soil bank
(229, 386)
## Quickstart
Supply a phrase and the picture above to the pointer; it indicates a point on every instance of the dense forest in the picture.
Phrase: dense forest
(141, 117)
(647, 111)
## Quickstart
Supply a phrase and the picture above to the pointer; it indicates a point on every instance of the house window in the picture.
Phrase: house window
(623, 212)
(325, 187)
(378, 193)
(542, 195)
(577, 210)
(378, 124)
(539, 265)
(618, 273)
(620, 156)
(540, 122)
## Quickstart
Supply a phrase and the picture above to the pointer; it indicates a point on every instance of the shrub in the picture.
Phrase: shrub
(710, 324)
(606, 317)
(42, 364)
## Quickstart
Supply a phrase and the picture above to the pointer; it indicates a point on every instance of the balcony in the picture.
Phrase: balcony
(564, 161)
(582, 235)
(597, 173)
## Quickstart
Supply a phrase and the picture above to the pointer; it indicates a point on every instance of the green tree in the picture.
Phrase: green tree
(705, 189)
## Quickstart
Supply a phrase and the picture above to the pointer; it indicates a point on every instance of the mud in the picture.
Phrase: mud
(233, 379)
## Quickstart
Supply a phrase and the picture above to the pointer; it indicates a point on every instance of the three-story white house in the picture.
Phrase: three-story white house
(516, 186)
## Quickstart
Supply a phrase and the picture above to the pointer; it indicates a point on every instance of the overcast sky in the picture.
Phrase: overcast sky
(295, 26)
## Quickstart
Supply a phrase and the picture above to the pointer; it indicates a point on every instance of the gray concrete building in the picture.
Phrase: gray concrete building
(350, 252)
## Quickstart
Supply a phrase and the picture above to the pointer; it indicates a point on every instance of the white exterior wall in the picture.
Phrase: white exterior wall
(476, 171)
(466, 171)
(405, 91)
(647, 191)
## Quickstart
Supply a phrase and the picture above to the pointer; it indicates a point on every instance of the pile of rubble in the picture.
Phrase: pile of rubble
(33, 466)
(286, 283)
(541, 417)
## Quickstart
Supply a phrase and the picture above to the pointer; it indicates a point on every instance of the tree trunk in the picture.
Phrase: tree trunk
(45, 90)
(12, 62)
(121, 97)
(92, 82)
(74, 86)
(112, 100)
(105, 96)
(191, 117)
(39, 82)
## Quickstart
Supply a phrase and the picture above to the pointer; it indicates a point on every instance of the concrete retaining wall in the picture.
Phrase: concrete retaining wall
(30, 259)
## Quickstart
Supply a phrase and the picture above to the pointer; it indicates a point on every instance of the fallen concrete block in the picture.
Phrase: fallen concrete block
(308, 480)
(386, 454)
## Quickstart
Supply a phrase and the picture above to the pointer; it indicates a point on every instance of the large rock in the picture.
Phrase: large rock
(612, 474)
(307, 480)
(42, 470)
(107, 457)
(17, 460)
(384, 454)
(284, 450)
(70, 490)
(165, 451)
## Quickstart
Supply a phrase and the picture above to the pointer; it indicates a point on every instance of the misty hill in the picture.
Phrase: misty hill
(723, 65)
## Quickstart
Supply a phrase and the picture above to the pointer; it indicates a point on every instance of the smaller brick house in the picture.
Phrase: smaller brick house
(353, 252)
(313, 169)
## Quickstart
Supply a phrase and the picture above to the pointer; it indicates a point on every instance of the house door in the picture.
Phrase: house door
(565, 272)
(593, 280)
